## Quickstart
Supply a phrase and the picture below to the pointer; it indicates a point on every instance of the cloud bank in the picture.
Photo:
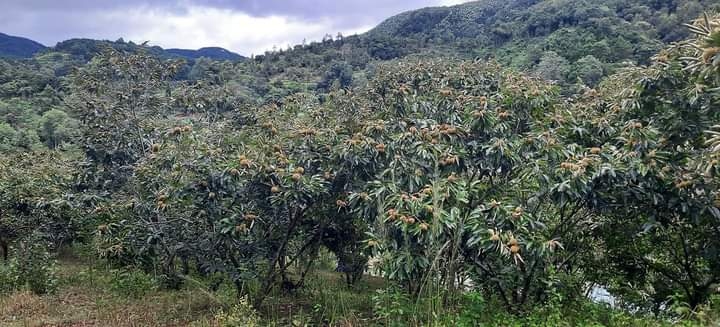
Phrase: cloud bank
(245, 26)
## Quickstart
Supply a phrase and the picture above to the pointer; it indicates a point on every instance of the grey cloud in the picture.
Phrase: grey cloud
(50, 21)
(323, 8)
(300, 9)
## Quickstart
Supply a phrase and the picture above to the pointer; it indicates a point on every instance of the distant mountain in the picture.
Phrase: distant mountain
(18, 47)
(85, 49)
(572, 42)
(211, 52)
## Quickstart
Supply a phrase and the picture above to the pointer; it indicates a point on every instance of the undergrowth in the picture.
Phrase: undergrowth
(91, 293)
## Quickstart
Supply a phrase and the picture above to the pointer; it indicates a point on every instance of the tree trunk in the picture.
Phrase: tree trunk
(279, 255)
(5, 250)
(305, 271)
(238, 288)
(185, 264)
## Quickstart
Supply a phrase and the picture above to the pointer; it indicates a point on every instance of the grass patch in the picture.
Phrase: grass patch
(91, 295)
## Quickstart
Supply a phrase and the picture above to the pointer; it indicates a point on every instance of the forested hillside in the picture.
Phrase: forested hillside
(573, 43)
(84, 49)
(567, 41)
(520, 31)
(17, 47)
(491, 163)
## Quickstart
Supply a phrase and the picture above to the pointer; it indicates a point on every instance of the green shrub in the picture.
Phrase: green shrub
(392, 306)
(8, 278)
(709, 313)
(33, 268)
(132, 283)
(241, 314)
(473, 306)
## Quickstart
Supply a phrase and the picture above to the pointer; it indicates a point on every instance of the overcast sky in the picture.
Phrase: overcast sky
(244, 26)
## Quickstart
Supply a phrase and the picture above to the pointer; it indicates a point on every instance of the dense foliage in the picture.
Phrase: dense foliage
(465, 184)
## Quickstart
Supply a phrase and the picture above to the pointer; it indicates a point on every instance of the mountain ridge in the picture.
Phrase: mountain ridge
(208, 52)
(17, 47)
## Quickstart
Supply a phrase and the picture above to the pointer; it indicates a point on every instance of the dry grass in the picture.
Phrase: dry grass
(85, 298)
(326, 298)
(72, 308)
(14, 309)
(78, 305)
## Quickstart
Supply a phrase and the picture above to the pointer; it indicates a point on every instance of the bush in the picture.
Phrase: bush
(132, 283)
(240, 314)
(35, 266)
(709, 313)
(392, 306)
(472, 311)
(476, 310)
(8, 278)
